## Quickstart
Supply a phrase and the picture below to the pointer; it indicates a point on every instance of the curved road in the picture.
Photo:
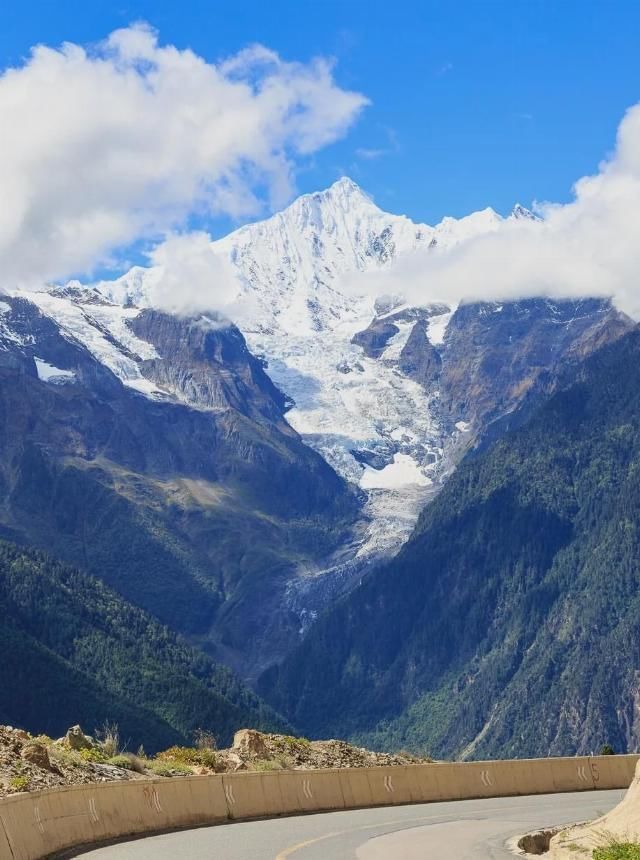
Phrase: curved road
(458, 830)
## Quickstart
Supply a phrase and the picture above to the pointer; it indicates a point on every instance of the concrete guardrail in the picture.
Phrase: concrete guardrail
(38, 824)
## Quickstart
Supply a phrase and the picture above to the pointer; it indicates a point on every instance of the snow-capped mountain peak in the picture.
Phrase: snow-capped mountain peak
(344, 195)
(520, 212)
(292, 263)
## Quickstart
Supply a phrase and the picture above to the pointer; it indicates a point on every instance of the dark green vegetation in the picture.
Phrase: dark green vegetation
(509, 625)
(73, 651)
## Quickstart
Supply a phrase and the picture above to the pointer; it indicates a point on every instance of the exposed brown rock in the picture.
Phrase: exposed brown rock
(30, 764)
(37, 754)
(250, 743)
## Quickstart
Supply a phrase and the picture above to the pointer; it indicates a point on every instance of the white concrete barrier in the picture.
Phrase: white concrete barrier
(38, 824)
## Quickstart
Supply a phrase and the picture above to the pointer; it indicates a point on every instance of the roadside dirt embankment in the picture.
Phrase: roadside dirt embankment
(622, 824)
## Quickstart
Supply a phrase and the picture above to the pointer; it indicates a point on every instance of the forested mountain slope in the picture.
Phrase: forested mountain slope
(73, 651)
(509, 624)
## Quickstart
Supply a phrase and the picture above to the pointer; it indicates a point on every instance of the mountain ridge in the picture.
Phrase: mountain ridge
(193, 498)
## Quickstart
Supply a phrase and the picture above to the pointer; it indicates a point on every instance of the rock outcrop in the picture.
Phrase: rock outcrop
(76, 739)
(253, 749)
(250, 744)
(420, 359)
(28, 763)
(37, 754)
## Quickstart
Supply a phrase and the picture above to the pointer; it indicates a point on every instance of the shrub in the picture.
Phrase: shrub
(128, 761)
(290, 741)
(205, 740)
(280, 762)
(607, 749)
(413, 758)
(176, 753)
(20, 783)
(190, 756)
(166, 768)
(109, 738)
(94, 755)
(64, 756)
(120, 760)
(618, 851)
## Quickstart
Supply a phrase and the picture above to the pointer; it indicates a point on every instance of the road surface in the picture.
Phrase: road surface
(459, 830)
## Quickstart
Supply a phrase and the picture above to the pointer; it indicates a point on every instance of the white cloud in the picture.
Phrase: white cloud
(589, 247)
(192, 277)
(101, 147)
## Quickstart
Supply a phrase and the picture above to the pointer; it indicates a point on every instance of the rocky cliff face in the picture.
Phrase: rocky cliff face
(497, 354)
(205, 362)
(420, 359)
(482, 360)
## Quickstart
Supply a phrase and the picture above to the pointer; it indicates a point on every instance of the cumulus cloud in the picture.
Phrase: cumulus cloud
(103, 146)
(191, 277)
(588, 247)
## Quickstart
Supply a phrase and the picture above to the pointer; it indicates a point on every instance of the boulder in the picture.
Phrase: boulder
(250, 743)
(76, 739)
(36, 754)
(235, 763)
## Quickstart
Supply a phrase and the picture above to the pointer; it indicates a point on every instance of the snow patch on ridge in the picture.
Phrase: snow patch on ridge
(102, 330)
(397, 343)
(48, 373)
(438, 327)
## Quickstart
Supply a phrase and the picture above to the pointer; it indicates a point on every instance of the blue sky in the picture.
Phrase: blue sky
(473, 103)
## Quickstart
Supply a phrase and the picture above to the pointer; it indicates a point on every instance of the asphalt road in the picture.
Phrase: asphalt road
(460, 830)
